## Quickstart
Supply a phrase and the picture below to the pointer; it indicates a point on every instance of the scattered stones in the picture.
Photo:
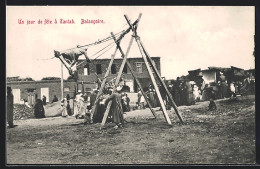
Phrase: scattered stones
(21, 111)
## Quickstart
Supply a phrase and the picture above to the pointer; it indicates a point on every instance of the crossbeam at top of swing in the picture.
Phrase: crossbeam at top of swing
(127, 31)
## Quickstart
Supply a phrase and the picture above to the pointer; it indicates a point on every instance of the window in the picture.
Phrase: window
(139, 67)
(66, 89)
(98, 68)
(113, 69)
(17, 95)
(45, 91)
(125, 69)
(86, 70)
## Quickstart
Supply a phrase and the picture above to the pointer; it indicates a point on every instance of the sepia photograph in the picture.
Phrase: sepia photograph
(130, 85)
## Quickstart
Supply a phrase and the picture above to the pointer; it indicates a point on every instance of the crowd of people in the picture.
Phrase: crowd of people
(187, 92)
(183, 91)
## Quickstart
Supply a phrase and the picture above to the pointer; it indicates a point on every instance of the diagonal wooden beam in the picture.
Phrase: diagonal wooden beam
(133, 74)
(162, 82)
(64, 62)
(150, 72)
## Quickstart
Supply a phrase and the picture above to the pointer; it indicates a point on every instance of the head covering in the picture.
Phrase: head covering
(9, 89)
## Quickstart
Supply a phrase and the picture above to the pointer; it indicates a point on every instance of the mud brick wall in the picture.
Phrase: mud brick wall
(54, 86)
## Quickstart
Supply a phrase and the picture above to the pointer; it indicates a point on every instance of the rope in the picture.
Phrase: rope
(99, 52)
(47, 59)
(101, 49)
(97, 42)
(118, 40)
(104, 52)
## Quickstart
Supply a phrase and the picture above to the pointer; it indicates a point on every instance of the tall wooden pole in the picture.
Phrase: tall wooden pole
(162, 83)
(61, 81)
(166, 116)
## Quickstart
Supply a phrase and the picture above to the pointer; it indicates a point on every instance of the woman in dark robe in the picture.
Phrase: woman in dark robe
(151, 97)
(38, 109)
(189, 94)
(116, 109)
(10, 107)
(44, 100)
(127, 103)
(100, 110)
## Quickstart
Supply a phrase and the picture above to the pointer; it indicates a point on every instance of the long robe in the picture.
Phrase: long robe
(39, 109)
(116, 108)
(10, 108)
(189, 94)
(99, 113)
(152, 99)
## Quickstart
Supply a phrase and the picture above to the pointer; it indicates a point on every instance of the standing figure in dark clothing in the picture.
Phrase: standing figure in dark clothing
(10, 107)
(123, 102)
(176, 91)
(127, 102)
(188, 94)
(139, 95)
(69, 111)
(55, 99)
(163, 94)
(212, 105)
(94, 115)
(116, 109)
(151, 95)
(183, 93)
(68, 97)
(99, 82)
(93, 97)
(39, 109)
(100, 110)
(44, 100)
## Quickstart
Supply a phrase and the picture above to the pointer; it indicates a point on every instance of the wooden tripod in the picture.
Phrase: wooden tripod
(149, 64)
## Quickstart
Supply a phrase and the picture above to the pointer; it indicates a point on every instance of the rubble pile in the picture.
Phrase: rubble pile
(21, 111)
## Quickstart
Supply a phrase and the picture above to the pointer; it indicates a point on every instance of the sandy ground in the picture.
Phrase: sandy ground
(222, 136)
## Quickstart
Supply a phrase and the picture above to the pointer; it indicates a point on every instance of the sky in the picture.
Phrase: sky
(185, 37)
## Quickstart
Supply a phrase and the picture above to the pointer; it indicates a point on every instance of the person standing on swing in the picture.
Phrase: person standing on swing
(72, 55)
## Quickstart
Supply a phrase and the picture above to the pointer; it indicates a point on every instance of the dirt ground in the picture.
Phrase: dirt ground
(223, 136)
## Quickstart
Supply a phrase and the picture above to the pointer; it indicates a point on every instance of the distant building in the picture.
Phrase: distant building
(86, 82)
(97, 69)
(215, 74)
(251, 73)
(31, 90)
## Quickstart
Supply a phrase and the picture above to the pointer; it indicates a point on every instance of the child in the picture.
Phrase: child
(212, 105)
